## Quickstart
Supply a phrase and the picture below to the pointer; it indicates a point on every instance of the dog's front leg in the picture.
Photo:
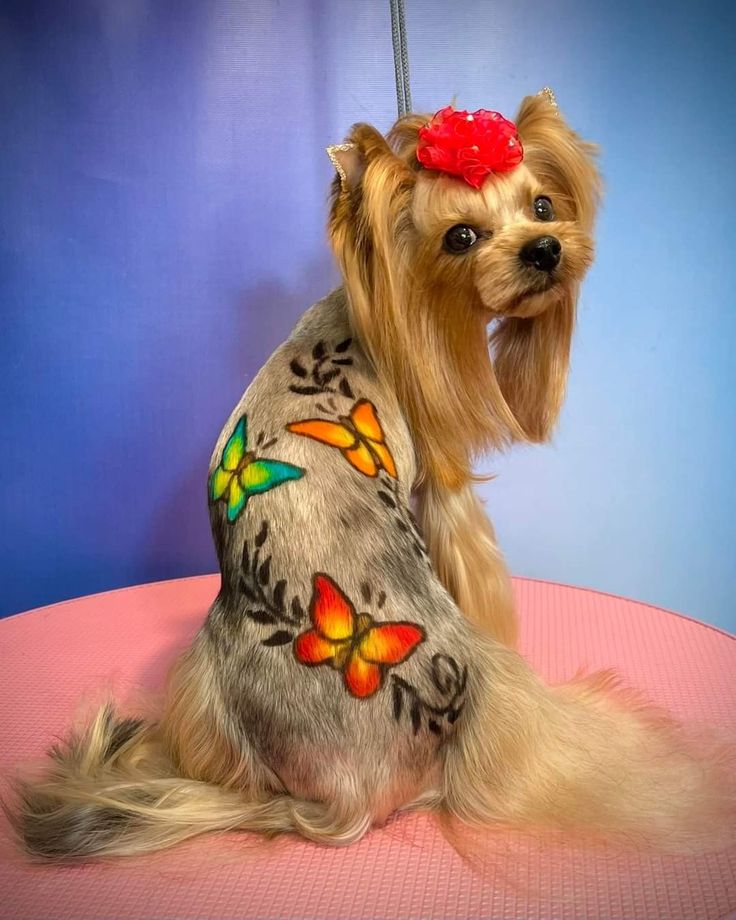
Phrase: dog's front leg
(466, 557)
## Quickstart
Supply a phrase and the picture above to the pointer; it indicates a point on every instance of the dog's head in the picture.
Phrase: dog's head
(429, 261)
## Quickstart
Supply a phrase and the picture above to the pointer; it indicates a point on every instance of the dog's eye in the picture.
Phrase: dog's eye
(460, 238)
(543, 209)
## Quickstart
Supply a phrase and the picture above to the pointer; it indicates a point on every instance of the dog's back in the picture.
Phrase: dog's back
(341, 526)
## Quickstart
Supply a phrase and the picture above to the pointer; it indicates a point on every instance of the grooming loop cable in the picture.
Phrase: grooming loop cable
(401, 57)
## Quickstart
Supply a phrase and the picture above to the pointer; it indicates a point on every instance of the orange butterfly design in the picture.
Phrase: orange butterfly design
(359, 437)
(353, 643)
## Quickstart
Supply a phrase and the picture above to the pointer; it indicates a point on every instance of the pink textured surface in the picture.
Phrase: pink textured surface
(52, 657)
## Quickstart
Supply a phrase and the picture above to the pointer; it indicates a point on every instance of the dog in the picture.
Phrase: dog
(359, 661)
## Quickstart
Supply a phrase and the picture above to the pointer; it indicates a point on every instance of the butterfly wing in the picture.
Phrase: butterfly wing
(362, 678)
(219, 483)
(235, 448)
(263, 474)
(332, 433)
(364, 416)
(311, 648)
(362, 459)
(390, 643)
(383, 455)
(236, 499)
(332, 613)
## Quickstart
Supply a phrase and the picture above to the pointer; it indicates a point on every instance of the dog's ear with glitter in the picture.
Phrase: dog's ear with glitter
(560, 160)
(363, 146)
(549, 94)
(348, 163)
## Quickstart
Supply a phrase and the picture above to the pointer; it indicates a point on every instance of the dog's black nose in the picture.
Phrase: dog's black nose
(543, 253)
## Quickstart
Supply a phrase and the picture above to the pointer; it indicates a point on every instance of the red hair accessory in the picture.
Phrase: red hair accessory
(471, 145)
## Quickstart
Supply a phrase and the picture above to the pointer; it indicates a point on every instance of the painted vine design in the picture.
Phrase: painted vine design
(450, 681)
(402, 515)
(268, 600)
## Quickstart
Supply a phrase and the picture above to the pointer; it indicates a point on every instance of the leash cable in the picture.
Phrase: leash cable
(401, 57)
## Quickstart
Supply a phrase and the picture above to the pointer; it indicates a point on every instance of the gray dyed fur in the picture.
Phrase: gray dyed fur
(317, 740)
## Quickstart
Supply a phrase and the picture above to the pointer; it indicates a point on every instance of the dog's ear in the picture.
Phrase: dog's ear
(562, 161)
(370, 193)
(531, 355)
(348, 164)
(363, 145)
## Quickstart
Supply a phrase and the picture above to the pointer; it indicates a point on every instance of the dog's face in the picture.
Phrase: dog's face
(428, 260)
(515, 242)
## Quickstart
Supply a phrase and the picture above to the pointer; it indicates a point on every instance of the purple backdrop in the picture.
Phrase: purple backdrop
(163, 187)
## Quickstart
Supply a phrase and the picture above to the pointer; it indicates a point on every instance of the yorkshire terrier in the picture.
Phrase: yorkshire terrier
(357, 661)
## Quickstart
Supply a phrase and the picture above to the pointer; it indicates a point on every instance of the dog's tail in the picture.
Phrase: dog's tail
(585, 757)
(113, 791)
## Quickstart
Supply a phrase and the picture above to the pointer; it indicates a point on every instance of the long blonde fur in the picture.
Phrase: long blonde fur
(588, 757)
(251, 740)
(466, 557)
(422, 320)
(122, 787)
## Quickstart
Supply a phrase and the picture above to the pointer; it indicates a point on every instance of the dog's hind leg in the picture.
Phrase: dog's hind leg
(199, 731)
(466, 557)
(123, 787)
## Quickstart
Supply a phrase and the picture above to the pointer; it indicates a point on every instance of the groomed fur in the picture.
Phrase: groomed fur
(584, 758)
(422, 317)
(466, 557)
(122, 787)
(251, 738)
(589, 758)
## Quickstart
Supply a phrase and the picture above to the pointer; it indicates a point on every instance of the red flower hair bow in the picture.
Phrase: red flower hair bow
(471, 145)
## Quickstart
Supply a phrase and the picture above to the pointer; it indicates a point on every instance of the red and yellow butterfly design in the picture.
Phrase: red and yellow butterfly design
(359, 437)
(353, 643)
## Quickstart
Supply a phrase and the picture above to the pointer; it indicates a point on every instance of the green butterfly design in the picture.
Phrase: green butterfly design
(242, 474)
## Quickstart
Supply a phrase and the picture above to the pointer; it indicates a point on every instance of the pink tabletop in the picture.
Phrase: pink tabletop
(52, 658)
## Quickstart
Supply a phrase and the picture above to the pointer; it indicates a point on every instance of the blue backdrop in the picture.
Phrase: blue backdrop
(163, 184)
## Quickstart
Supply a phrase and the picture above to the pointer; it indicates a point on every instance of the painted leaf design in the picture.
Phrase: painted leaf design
(416, 717)
(280, 637)
(398, 701)
(278, 594)
(305, 391)
(328, 376)
(247, 590)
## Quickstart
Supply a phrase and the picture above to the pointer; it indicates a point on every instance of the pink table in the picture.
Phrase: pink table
(53, 657)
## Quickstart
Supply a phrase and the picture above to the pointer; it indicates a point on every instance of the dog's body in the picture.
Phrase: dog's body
(312, 736)
(346, 670)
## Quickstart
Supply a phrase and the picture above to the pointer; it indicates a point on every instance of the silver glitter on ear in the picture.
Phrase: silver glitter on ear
(332, 152)
(549, 95)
